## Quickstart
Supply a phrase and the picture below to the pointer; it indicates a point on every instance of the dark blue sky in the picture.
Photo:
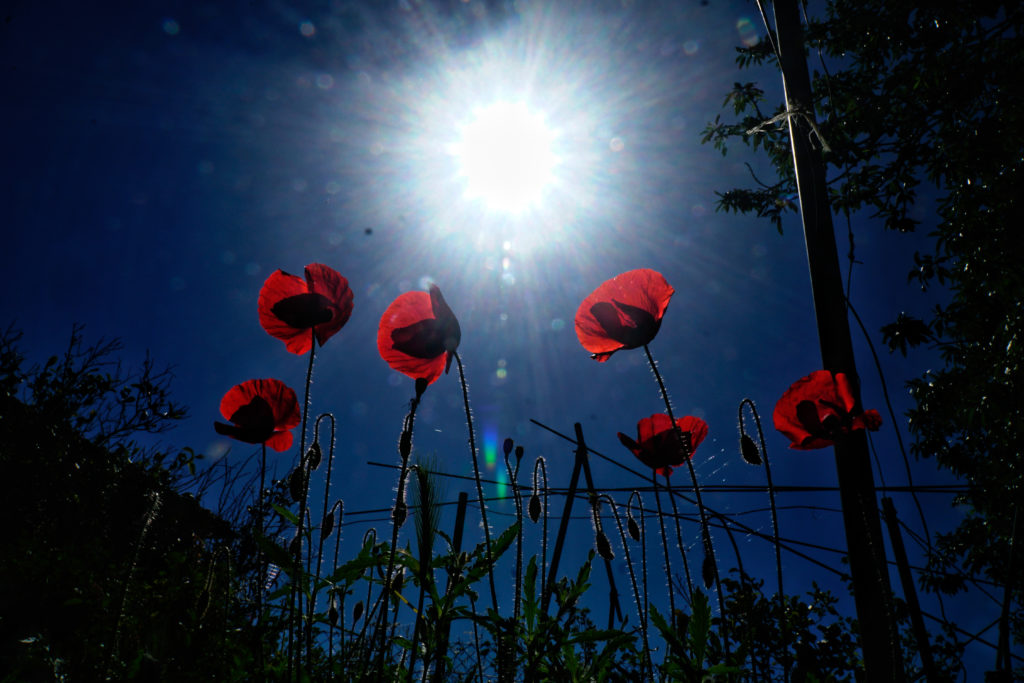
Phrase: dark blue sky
(161, 159)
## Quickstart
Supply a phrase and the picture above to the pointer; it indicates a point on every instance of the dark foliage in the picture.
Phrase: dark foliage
(920, 121)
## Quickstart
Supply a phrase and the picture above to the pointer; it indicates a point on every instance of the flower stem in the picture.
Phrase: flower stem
(664, 546)
(476, 475)
(295, 603)
(709, 550)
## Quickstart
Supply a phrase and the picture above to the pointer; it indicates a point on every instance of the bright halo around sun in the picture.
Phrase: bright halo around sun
(505, 156)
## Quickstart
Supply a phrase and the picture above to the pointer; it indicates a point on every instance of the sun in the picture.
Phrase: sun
(505, 156)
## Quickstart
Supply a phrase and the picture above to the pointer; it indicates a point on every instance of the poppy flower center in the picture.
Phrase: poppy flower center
(251, 423)
(303, 310)
(831, 427)
(631, 326)
(422, 339)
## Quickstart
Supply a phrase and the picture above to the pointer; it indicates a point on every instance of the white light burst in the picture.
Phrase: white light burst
(505, 156)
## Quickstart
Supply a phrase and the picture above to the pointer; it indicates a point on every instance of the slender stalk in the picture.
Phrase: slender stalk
(679, 541)
(320, 545)
(647, 665)
(540, 470)
(513, 476)
(294, 601)
(476, 475)
(783, 622)
(641, 531)
(261, 576)
(400, 510)
(709, 549)
(664, 546)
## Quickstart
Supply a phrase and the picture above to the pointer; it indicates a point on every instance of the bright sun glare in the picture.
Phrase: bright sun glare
(506, 156)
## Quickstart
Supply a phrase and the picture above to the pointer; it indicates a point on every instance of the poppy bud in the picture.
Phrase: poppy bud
(398, 581)
(519, 453)
(357, 611)
(749, 451)
(332, 611)
(327, 526)
(534, 508)
(297, 484)
(314, 455)
(633, 528)
(295, 547)
(604, 547)
(399, 513)
(405, 444)
(507, 446)
(708, 570)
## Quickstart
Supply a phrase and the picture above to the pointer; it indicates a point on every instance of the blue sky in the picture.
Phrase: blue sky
(161, 160)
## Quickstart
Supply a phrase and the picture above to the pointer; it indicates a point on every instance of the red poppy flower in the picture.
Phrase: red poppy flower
(657, 445)
(815, 411)
(290, 306)
(623, 313)
(418, 335)
(260, 411)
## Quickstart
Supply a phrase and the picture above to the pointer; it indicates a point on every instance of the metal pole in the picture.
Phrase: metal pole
(871, 590)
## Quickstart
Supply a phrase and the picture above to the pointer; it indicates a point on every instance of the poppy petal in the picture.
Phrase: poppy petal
(408, 314)
(844, 392)
(451, 333)
(260, 411)
(327, 282)
(278, 287)
(624, 312)
(290, 306)
(815, 411)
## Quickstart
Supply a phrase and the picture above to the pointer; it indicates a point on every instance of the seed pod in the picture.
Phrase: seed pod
(534, 508)
(604, 547)
(357, 611)
(519, 453)
(633, 528)
(295, 547)
(399, 513)
(314, 455)
(327, 526)
(506, 446)
(297, 484)
(749, 451)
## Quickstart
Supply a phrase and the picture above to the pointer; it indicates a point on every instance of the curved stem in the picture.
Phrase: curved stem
(646, 663)
(775, 523)
(476, 475)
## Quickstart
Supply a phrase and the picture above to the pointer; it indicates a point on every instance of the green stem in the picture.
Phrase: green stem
(476, 475)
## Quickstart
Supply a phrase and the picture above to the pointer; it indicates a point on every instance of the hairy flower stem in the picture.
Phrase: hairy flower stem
(664, 545)
(261, 573)
(320, 544)
(400, 510)
(709, 549)
(294, 600)
(641, 530)
(513, 477)
(476, 475)
(540, 471)
(646, 664)
(679, 541)
(781, 595)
